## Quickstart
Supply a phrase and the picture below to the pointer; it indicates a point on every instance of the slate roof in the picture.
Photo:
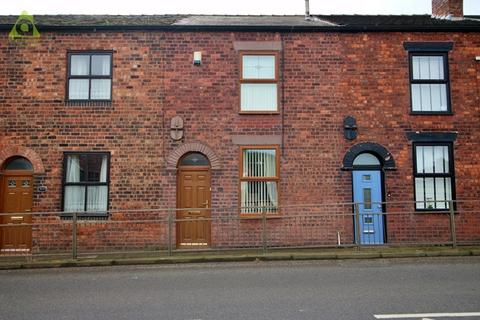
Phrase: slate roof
(97, 20)
(248, 22)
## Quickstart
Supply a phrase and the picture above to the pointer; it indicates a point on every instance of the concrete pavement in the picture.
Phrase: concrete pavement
(129, 258)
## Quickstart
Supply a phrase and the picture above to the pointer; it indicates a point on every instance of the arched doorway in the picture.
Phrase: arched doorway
(16, 197)
(194, 198)
(368, 162)
(367, 180)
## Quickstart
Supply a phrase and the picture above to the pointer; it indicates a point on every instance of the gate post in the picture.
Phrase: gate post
(170, 223)
(264, 232)
(452, 223)
(74, 236)
(357, 225)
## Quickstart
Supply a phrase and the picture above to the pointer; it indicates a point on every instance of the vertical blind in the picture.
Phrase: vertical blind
(258, 96)
(433, 182)
(86, 187)
(429, 96)
(259, 196)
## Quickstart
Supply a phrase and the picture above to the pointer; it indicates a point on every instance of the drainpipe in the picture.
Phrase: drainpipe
(283, 91)
(477, 60)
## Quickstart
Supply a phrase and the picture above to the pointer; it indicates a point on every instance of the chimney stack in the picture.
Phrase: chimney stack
(447, 9)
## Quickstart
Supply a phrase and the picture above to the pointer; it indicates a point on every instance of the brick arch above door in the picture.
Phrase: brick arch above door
(176, 154)
(385, 157)
(9, 151)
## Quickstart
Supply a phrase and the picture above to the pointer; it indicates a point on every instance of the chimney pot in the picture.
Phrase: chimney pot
(307, 10)
(449, 9)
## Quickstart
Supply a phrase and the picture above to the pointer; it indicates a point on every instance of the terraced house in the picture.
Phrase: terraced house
(119, 119)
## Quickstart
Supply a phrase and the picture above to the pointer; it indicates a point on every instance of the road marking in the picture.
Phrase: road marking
(426, 315)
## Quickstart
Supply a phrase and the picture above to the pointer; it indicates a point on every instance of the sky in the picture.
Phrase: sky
(471, 7)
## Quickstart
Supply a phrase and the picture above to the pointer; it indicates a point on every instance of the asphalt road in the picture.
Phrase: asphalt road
(265, 290)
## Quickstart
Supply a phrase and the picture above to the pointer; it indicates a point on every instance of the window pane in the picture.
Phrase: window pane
(440, 195)
(427, 68)
(416, 98)
(440, 154)
(367, 198)
(436, 67)
(194, 159)
(259, 196)
(78, 89)
(436, 97)
(423, 68)
(419, 155)
(79, 65)
(75, 169)
(428, 159)
(415, 67)
(419, 193)
(426, 97)
(368, 219)
(438, 93)
(259, 163)
(446, 159)
(448, 190)
(19, 163)
(259, 97)
(430, 156)
(429, 97)
(100, 89)
(366, 159)
(259, 67)
(101, 65)
(74, 198)
(97, 168)
(97, 198)
(429, 193)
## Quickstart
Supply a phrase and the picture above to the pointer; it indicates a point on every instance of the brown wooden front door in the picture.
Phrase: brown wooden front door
(16, 198)
(193, 195)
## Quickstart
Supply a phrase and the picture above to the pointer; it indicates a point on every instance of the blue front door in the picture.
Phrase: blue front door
(367, 191)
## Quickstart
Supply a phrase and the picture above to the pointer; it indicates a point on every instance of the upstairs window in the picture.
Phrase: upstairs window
(89, 76)
(434, 176)
(430, 92)
(259, 180)
(259, 83)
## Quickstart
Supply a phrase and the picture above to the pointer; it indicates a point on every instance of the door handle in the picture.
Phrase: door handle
(205, 204)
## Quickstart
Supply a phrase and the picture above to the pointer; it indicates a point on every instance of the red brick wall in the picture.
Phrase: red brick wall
(327, 76)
